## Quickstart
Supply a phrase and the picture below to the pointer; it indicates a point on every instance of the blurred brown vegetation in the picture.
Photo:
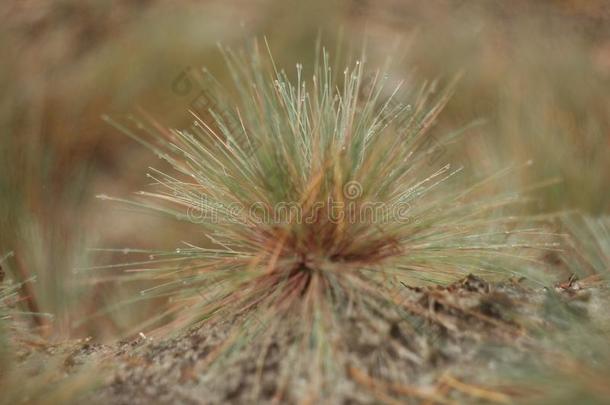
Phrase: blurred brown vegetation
(536, 72)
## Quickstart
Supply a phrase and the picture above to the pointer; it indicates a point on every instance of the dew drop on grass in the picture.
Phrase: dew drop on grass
(178, 250)
(126, 251)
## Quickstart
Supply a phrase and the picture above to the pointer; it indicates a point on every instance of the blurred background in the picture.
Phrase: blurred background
(535, 73)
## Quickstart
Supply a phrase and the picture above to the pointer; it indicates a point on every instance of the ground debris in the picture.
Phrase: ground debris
(434, 345)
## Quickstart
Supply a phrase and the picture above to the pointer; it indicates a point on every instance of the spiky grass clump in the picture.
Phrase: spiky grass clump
(7, 292)
(14, 313)
(589, 243)
(313, 197)
(572, 360)
(16, 317)
(29, 374)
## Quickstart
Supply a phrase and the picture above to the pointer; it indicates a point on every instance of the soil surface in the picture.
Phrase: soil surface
(437, 345)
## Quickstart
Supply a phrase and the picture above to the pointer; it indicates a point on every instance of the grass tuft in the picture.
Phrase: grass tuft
(316, 197)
